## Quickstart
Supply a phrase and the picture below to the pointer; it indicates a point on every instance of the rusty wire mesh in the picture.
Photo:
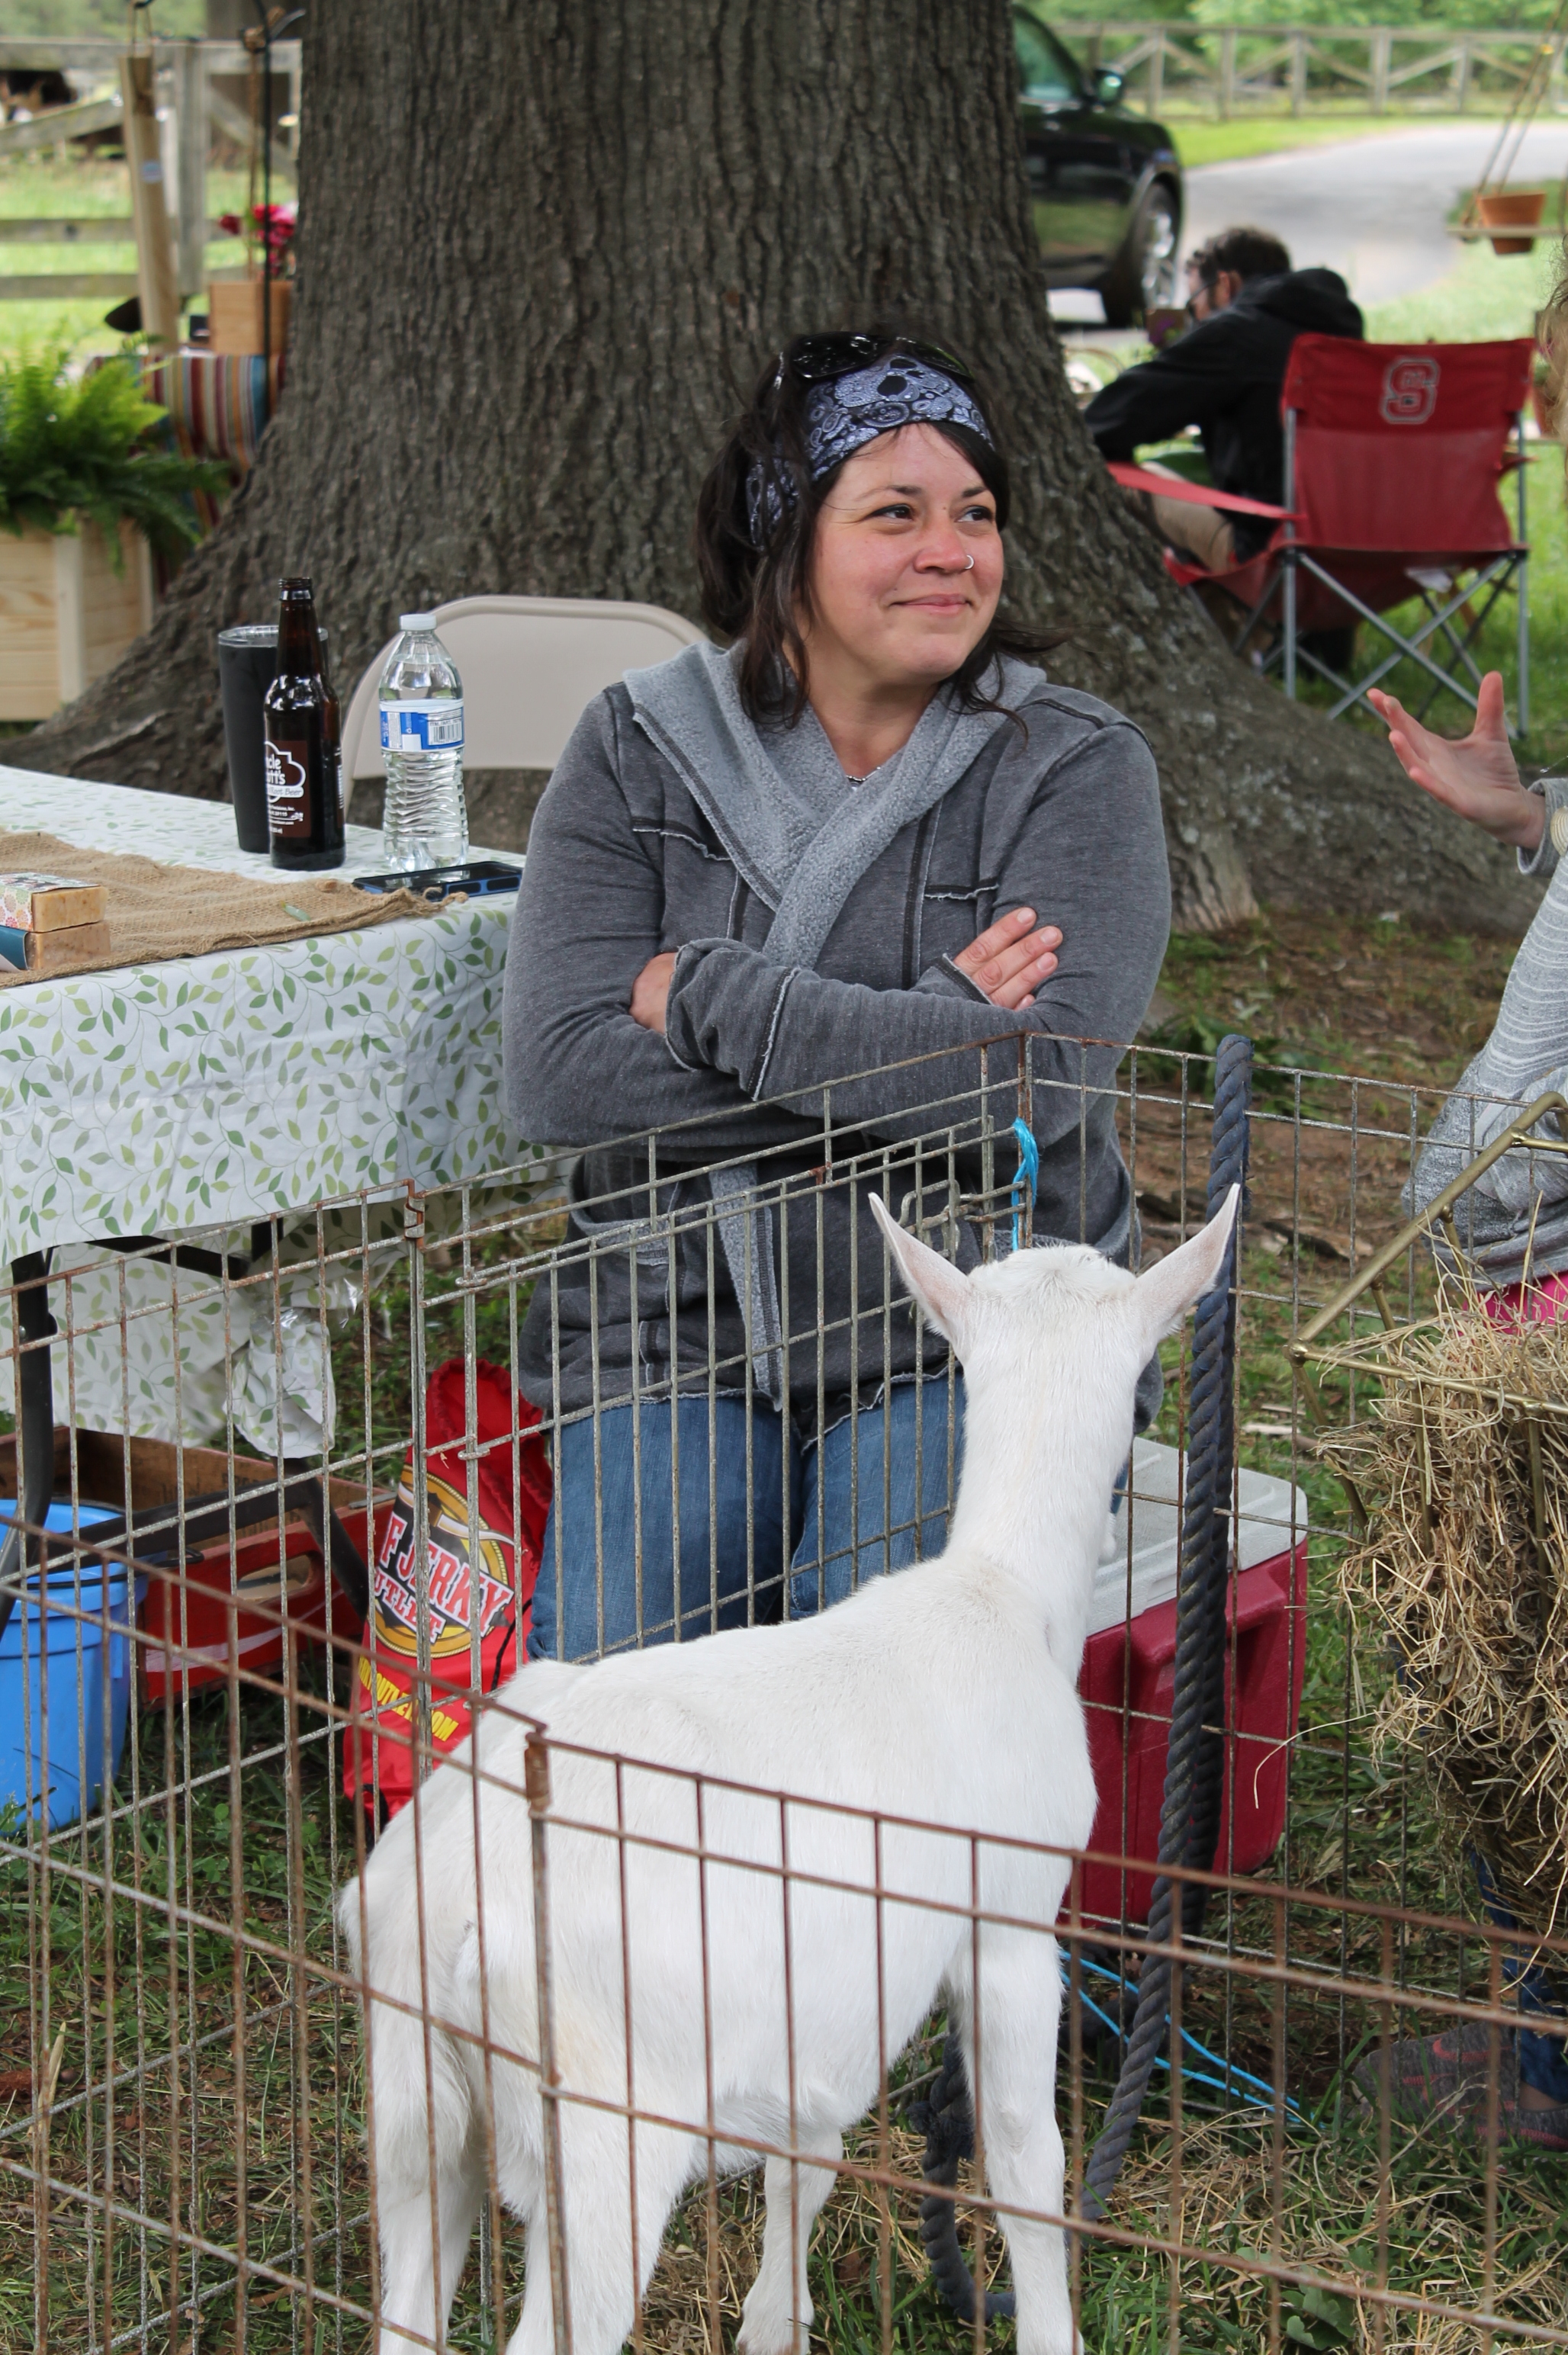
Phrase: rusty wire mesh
(182, 2155)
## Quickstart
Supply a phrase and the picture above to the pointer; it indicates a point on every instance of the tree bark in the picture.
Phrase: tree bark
(544, 243)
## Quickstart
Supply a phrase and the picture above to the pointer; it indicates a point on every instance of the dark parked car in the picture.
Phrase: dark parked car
(1105, 183)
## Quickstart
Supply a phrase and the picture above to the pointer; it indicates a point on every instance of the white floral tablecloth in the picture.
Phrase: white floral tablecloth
(211, 1091)
(208, 1092)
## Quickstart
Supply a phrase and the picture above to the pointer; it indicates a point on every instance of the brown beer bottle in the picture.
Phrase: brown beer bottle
(304, 758)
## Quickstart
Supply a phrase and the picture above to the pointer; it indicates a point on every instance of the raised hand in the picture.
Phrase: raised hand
(1474, 775)
(1010, 959)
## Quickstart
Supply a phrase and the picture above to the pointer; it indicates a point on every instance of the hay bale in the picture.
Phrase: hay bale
(1463, 1470)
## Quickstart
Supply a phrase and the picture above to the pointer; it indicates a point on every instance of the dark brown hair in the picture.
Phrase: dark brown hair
(759, 594)
(1244, 252)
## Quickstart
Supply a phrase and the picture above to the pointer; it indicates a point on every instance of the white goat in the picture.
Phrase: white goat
(945, 1695)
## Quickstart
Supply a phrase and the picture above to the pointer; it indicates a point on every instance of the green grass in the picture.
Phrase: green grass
(38, 188)
(1227, 142)
(63, 19)
(1485, 295)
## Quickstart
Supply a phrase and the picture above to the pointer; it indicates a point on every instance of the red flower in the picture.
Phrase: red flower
(276, 224)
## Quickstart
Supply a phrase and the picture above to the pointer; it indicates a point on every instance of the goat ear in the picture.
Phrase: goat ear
(1167, 1290)
(942, 1289)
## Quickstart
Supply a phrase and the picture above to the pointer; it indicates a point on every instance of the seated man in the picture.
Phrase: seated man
(1224, 374)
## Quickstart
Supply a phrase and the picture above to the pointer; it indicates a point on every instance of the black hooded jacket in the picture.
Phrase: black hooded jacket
(1224, 375)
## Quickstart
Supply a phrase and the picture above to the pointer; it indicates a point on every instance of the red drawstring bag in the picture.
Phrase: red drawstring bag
(378, 1756)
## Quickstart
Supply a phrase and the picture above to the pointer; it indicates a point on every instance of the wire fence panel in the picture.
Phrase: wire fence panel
(654, 2009)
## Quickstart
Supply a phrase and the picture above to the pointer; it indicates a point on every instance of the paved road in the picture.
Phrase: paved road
(1371, 209)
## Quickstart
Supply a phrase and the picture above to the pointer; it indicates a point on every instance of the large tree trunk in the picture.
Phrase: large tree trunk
(543, 241)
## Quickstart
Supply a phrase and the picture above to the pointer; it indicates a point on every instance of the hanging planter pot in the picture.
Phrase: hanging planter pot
(1515, 209)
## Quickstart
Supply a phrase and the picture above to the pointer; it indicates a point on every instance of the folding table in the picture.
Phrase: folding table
(222, 1090)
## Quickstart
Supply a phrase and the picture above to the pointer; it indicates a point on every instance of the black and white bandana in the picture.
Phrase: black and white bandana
(849, 411)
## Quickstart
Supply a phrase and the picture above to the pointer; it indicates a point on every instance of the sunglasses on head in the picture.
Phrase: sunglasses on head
(817, 359)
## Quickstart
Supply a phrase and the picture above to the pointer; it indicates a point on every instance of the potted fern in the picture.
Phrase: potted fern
(86, 499)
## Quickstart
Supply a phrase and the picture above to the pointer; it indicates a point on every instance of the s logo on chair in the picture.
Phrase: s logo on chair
(1410, 390)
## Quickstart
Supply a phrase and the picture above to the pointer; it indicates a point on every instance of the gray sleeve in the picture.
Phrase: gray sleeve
(1090, 857)
(588, 918)
(1526, 1055)
(1519, 1179)
(1542, 860)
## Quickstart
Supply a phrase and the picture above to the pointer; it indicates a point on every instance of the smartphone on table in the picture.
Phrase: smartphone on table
(480, 878)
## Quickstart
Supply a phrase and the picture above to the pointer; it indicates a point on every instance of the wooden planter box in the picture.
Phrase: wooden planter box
(66, 615)
(234, 315)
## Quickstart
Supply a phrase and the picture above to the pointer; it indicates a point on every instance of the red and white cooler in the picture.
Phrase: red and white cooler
(1128, 1677)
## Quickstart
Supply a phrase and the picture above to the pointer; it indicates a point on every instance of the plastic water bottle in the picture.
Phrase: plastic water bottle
(425, 819)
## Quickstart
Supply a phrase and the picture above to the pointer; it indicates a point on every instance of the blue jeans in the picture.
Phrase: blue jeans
(816, 1518)
(1542, 2060)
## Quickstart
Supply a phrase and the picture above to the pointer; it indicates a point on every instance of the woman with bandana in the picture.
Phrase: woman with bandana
(864, 839)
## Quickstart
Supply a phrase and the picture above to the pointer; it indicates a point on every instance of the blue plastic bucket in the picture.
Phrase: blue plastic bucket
(60, 1697)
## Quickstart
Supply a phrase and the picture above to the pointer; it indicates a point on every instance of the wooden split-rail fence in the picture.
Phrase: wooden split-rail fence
(1228, 71)
(199, 89)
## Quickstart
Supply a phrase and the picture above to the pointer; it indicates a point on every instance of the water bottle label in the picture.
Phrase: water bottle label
(431, 727)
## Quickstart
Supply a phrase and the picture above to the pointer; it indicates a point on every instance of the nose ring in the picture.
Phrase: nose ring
(970, 566)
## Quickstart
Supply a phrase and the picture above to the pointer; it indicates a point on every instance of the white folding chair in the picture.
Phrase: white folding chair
(528, 666)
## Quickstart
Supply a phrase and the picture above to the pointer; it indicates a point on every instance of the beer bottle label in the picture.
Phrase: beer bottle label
(434, 725)
(288, 788)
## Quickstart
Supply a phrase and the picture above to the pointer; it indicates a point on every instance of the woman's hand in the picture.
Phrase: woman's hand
(1475, 774)
(650, 992)
(1010, 959)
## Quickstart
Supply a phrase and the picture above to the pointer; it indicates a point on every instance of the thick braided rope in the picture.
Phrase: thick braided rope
(1227, 1167)
(1194, 1763)
(949, 2125)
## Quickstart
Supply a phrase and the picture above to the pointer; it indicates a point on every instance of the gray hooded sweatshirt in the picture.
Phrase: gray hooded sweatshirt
(815, 927)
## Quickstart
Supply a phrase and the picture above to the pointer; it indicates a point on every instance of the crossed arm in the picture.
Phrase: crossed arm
(1008, 961)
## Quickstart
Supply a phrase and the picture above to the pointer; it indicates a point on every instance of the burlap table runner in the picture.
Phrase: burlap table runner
(154, 912)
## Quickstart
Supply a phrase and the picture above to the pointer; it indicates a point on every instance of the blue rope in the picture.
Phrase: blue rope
(1026, 1178)
(1232, 2076)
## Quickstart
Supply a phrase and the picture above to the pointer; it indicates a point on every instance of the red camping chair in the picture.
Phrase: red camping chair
(1392, 458)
